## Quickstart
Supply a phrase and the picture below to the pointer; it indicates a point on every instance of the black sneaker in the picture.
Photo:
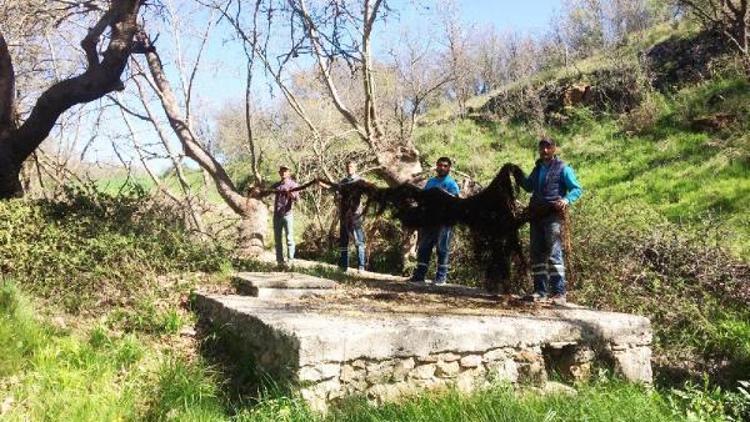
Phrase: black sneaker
(558, 299)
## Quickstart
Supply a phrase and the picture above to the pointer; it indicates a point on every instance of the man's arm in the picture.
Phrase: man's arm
(453, 188)
(294, 195)
(523, 181)
(334, 187)
(572, 186)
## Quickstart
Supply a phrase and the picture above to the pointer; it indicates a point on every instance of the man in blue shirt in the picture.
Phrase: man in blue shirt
(439, 236)
(554, 187)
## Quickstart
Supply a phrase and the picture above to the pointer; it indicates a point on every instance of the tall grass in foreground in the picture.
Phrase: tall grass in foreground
(49, 373)
(94, 374)
(604, 400)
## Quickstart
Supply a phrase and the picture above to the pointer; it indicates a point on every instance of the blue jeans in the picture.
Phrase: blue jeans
(547, 264)
(429, 238)
(283, 223)
(355, 230)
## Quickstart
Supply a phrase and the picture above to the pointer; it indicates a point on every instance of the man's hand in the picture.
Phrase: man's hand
(518, 174)
(560, 204)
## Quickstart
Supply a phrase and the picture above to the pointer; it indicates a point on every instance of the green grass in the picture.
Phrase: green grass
(118, 182)
(685, 175)
(93, 374)
(607, 401)
(97, 373)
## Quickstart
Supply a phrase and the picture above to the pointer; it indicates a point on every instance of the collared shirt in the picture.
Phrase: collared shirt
(446, 183)
(282, 204)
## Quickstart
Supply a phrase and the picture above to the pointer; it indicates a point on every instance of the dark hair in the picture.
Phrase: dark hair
(445, 160)
(546, 140)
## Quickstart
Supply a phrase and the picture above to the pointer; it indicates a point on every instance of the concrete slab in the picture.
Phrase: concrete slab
(280, 284)
(283, 294)
(383, 355)
(270, 258)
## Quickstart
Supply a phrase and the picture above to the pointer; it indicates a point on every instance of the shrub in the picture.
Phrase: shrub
(90, 247)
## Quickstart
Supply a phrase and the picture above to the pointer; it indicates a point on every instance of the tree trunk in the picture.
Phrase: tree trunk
(253, 228)
(399, 167)
(253, 213)
(10, 168)
(102, 76)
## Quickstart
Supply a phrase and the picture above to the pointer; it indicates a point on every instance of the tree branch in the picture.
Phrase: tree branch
(191, 145)
(100, 77)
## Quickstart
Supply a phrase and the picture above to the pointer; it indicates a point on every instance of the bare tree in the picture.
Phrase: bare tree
(583, 26)
(418, 77)
(488, 54)
(626, 17)
(118, 24)
(729, 17)
(341, 32)
(457, 54)
(253, 213)
(338, 37)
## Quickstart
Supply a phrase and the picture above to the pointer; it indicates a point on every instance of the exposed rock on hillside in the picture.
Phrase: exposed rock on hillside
(616, 88)
(613, 90)
(678, 61)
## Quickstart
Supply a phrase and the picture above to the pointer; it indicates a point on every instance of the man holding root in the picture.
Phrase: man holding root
(351, 210)
(436, 236)
(553, 188)
(285, 191)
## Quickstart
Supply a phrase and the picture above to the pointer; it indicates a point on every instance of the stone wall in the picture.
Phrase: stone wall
(385, 355)
(389, 379)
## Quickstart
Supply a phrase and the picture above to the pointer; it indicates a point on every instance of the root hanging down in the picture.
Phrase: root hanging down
(493, 217)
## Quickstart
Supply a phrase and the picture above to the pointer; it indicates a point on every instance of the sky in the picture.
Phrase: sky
(224, 82)
(220, 81)
(531, 15)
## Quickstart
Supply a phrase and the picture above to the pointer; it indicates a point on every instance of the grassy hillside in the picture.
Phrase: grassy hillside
(654, 156)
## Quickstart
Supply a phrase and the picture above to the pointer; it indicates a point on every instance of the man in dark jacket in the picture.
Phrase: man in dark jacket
(554, 187)
(351, 217)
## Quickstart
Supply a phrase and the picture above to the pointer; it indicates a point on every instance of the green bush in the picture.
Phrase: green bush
(96, 247)
(631, 259)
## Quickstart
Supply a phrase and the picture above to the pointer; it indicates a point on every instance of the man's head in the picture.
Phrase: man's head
(351, 168)
(284, 171)
(547, 149)
(443, 166)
